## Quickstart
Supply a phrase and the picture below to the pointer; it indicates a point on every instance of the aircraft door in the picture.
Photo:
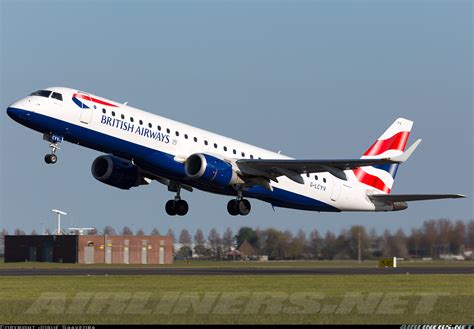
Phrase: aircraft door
(336, 188)
(86, 109)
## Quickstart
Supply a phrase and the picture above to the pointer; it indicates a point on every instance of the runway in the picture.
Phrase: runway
(84, 271)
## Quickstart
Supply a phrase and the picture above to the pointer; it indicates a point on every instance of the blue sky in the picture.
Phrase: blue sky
(315, 79)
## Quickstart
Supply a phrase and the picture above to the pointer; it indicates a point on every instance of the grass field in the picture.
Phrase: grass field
(442, 299)
(239, 299)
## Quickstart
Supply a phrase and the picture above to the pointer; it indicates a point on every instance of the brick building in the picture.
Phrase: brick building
(125, 249)
(89, 249)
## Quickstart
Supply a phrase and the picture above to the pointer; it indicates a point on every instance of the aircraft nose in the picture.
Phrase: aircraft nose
(12, 112)
(17, 114)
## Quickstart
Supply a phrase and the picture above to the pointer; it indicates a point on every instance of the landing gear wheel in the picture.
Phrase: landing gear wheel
(53, 158)
(239, 207)
(50, 158)
(176, 207)
(171, 207)
(244, 207)
(232, 207)
(181, 207)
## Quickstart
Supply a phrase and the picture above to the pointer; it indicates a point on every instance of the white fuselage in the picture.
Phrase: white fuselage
(110, 123)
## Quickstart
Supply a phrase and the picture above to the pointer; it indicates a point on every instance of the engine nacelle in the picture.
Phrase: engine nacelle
(211, 170)
(116, 172)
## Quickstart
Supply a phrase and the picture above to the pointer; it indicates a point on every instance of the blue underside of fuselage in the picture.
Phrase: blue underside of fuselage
(156, 162)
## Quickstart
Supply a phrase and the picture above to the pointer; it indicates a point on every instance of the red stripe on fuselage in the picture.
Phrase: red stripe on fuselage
(92, 99)
(396, 142)
(370, 180)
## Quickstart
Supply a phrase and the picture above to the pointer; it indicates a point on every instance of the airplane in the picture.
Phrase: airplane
(141, 147)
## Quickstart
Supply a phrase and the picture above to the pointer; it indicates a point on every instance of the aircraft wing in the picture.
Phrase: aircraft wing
(293, 169)
(413, 197)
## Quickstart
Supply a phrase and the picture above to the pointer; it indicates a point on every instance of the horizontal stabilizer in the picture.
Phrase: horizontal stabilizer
(413, 197)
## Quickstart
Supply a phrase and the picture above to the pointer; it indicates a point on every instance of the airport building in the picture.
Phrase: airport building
(90, 249)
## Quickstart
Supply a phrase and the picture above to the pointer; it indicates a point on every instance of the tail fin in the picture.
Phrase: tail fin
(392, 143)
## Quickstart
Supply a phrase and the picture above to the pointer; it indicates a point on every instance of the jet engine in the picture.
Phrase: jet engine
(117, 172)
(211, 170)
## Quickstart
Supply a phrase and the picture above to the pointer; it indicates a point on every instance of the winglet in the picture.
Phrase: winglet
(404, 157)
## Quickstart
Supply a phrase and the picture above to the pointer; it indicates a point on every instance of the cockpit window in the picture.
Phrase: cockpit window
(42, 93)
(58, 96)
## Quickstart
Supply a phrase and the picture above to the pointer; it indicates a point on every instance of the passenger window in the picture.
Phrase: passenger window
(234, 151)
(195, 139)
(307, 174)
(141, 122)
(251, 156)
(243, 154)
(168, 130)
(316, 177)
(104, 111)
(150, 125)
(215, 145)
(58, 96)
(131, 119)
(113, 113)
(225, 148)
(206, 143)
(122, 116)
(324, 180)
(185, 136)
(177, 133)
(159, 128)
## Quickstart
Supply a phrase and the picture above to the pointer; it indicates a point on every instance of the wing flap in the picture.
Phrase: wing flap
(273, 168)
(413, 197)
(304, 166)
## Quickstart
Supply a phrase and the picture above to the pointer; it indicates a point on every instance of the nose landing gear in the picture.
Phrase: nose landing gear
(53, 140)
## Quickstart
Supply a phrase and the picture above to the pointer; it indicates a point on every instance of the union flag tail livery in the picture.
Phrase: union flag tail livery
(142, 147)
(392, 143)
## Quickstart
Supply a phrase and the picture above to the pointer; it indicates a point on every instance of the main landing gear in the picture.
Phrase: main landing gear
(177, 206)
(239, 206)
(53, 140)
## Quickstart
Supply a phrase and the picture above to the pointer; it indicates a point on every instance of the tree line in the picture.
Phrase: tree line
(432, 239)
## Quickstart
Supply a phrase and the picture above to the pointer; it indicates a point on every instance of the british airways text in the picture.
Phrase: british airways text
(130, 127)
